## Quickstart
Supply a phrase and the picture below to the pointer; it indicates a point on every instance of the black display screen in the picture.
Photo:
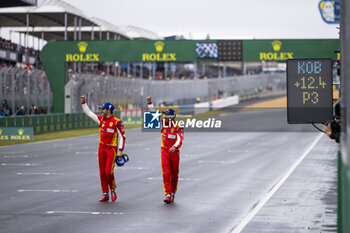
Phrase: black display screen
(230, 50)
(309, 91)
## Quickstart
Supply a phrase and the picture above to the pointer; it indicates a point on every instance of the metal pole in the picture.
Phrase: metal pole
(115, 68)
(115, 36)
(165, 70)
(195, 70)
(1, 85)
(10, 34)
(13, 93)
(28, 91)
(65, 26)
(224, 70)
(141, 70)
(48, 96)
(36, 101)
(42, 90)
(75, 38)
(42, 39)
(20, 39)
(203, 70)
(27, 22)
(92, 33)
(108, 64)
(244, 67)
(128, 70)
(33, 36)
(75, 28)
(79, 28)
(79, 64)
(100, 33)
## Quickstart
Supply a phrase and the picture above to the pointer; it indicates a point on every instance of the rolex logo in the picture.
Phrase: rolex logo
(20, 131)
(276, 45)
(82, 46)
(159, 45)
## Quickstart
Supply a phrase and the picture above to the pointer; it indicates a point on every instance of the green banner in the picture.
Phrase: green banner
(122, 51)
(281, 50)
(132, 121)
(56, 54)
(51, 122)
(16, 134)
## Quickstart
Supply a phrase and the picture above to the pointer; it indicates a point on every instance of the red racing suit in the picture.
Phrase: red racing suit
(171, 135)
(112, 138)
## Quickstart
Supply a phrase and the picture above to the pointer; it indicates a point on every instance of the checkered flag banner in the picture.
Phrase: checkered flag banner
(206, 50)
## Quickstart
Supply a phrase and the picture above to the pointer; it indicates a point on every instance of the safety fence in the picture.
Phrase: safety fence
(20, 86)
(50, 122)
(343, 196)
(131, 93)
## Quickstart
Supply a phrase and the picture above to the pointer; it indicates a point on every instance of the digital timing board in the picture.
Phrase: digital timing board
(229, 50)
(309, 91)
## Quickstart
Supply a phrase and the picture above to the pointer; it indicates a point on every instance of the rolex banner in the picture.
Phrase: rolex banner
(16, 134)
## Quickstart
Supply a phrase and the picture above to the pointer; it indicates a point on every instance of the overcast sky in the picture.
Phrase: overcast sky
(221, 19)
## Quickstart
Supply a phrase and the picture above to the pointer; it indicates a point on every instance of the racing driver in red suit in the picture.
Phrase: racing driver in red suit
(172, 136)
(112, 141)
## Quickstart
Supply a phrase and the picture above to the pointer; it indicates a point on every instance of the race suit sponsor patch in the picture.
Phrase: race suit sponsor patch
(110, 130)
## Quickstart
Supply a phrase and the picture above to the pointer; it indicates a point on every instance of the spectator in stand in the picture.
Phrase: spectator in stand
(33, 110)
(5, 111)
(42, 110)
(9, 45)
(20, 111)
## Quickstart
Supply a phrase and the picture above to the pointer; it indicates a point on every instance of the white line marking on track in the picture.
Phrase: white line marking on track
(236, 151)
(15, 156)
(137, 168)
(21, 164)
(12, 152)
(84, 212)
(133, 145)
(263, 201)
(187, 155)
(37, 173)
(216, 161)
(53, 191)
(160, 178)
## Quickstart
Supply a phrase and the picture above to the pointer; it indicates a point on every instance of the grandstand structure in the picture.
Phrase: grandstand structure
(58, 20)
(15, 3)
(22, 80)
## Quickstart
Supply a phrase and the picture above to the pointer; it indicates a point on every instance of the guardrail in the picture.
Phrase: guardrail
(50, 122)
(198, 108)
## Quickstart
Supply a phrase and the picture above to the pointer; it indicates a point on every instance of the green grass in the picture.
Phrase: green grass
(59, 135)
